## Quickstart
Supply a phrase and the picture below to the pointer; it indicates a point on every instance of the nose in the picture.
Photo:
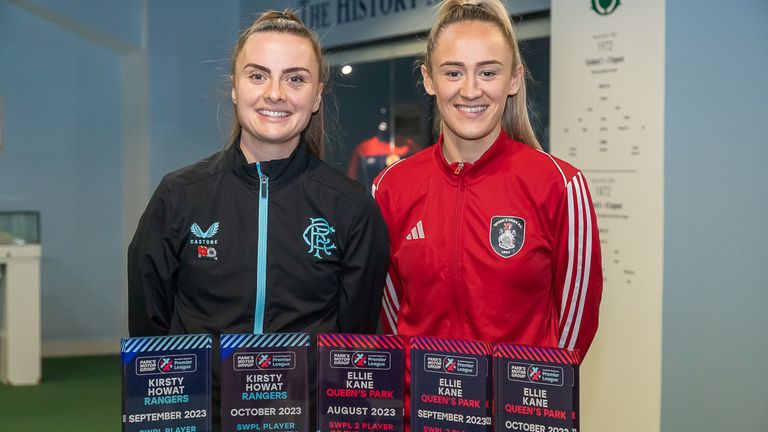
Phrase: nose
(274, 91)
(469, 88)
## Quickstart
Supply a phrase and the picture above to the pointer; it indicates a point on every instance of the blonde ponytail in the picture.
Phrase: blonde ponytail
(515, 120)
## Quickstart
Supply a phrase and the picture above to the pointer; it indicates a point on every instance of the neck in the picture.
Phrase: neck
(457, 149)
(257, 151)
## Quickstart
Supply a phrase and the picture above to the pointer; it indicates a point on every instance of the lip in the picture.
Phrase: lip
(471, 111)
(273, 114)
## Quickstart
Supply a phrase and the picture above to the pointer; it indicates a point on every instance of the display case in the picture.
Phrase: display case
(20, 253)
(19, 227)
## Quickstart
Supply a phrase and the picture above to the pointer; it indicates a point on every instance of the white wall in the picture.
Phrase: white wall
(62, 137)
(100, 100)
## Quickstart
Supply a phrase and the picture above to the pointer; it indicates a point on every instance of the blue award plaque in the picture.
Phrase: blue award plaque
(360, 383)
(536, 389)
(450, 385)
(264, 382)
(167, 384)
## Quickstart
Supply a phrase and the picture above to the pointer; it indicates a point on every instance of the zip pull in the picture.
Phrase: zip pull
(263, 179)
(263, 186)
(459, 168)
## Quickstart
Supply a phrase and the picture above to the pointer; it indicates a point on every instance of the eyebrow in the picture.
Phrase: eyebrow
(269, 71)
(461, 64)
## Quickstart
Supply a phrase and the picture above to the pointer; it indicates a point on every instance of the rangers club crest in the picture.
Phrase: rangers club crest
(507, 235)
(319, 237)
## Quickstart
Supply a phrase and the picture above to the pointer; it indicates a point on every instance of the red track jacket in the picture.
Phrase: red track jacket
(505, 249)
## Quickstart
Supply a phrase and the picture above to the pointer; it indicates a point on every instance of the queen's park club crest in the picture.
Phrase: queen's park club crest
(507, 234)
(605, 7)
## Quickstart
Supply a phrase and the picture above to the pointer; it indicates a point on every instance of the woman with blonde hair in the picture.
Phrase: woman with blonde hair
(262, 237)
(491, 238)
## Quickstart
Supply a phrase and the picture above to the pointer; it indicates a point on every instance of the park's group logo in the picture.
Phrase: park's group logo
(160, 365)
(360, 359)
(449, 364)
(264, 361)
(535, 373)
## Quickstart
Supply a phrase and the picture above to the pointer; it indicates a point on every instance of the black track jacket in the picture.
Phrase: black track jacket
(288, 245)
(194, 261)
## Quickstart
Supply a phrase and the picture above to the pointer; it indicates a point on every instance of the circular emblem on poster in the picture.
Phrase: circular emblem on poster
(605, 7)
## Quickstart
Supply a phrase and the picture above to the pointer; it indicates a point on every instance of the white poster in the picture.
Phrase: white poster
(607, 118)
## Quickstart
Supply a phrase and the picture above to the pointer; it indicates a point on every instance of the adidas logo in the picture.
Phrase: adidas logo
(417, 232)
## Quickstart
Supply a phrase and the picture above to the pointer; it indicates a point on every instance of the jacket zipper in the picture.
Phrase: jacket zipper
(455, 251)
(261, 260)
(458, 169)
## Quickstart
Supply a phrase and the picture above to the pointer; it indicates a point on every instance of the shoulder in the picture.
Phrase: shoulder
(542, 167)
(196, 173)
(329, 180)
(409, 171)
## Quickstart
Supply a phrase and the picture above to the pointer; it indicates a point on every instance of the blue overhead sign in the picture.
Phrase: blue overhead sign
(344, 22)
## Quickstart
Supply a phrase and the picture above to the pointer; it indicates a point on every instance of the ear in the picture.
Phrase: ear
(318, 99)
(427, 80)
(518, 75)
(234, 94)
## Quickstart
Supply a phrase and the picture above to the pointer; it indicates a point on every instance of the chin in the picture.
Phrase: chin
(473, 134)
(276, 136)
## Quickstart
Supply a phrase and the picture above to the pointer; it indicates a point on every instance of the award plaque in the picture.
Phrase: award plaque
(450, 385)
(166, 383)
(360, 383)
(264, 382)
(536, 389)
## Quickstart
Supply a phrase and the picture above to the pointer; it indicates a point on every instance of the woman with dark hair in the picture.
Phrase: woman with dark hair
(262, 237)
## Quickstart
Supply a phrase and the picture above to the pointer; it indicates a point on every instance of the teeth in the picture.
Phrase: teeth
(269, 113)
(472, 109)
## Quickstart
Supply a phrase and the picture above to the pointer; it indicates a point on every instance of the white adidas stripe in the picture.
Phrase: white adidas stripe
(392, 293)
(579, 266)
(375, 186)
(417, 232)
(569, 272)
(391, 318)
(390, 304)
(587, 263)
(583, 252)
(556, 164)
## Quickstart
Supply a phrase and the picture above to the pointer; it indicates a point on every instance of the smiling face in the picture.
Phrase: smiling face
(276, 88)
(471, 77)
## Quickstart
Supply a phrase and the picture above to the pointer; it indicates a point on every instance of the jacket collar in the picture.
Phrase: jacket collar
(492, 160)
(278, 170)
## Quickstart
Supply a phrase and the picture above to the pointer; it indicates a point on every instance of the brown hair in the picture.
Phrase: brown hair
(286, 22)
(515, 119)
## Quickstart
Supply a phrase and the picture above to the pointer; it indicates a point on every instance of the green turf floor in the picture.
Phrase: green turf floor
(76, 394)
